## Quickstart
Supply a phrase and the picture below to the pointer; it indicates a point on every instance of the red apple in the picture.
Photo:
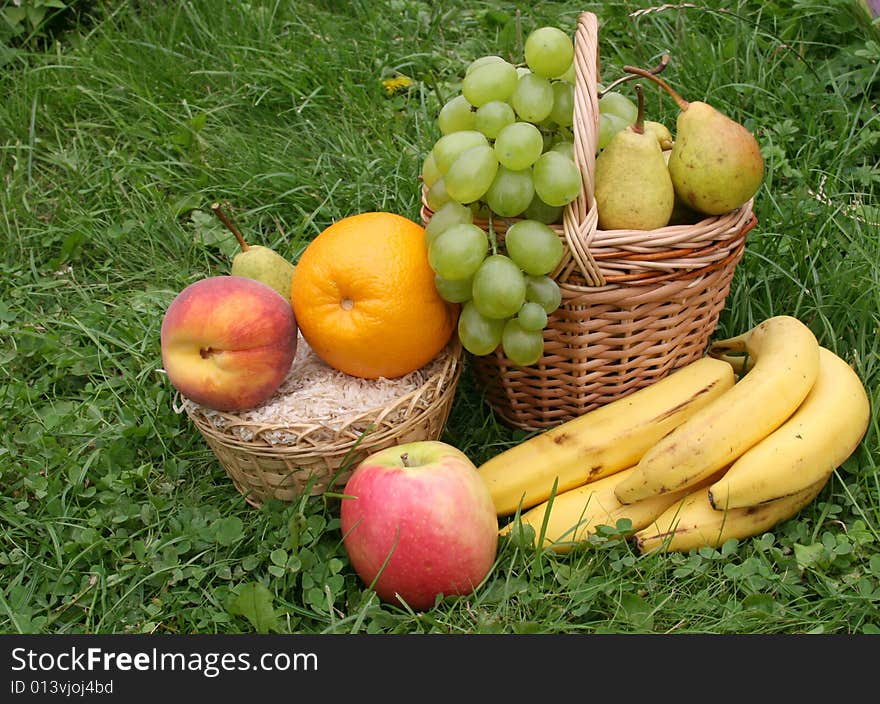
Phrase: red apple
(228, 342)
(419, 520)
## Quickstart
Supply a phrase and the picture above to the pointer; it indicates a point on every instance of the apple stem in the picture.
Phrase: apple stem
(232, 228)
(682, 103)
(405, 459)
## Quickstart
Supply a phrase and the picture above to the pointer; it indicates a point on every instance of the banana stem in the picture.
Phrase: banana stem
(682, 103)
(740, 363)
(232, 228)
(732, 344)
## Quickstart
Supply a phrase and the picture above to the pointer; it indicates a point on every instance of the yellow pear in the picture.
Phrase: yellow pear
(716, 164)
(682, 213)
(633, 188)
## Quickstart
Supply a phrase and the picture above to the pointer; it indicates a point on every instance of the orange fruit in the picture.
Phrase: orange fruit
(364, 297)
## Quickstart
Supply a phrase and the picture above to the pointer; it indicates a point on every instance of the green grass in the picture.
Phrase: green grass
(118, 132)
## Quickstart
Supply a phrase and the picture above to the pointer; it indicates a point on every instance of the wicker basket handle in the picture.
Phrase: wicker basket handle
(580, 219)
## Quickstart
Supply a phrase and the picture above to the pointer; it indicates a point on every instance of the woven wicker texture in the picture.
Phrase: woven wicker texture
(636, 304)
(317, 456)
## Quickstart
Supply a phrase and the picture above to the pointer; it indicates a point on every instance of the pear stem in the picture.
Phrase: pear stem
(639, 125)
(664, 62)
(682, 103)
(232, 228)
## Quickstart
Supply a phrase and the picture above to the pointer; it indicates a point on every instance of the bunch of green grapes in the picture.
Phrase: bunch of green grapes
(507, 296)
(506, 144)
(506, 149)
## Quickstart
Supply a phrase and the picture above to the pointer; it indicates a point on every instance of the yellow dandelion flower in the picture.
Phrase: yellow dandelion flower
(395, 85)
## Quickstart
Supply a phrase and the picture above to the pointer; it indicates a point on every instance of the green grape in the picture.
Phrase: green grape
(609, 125)
(568, 75)
(448, 148)
(615, 103)
(499, 288)
(457, 252)
(456, 115)
(532, 316)
(564, 146)
(564, 134)
(540, 211)
(522, 347)
(548, 51)
(510, 192)
(557, 179)
(544, 291)
(451, 213)
(471, 174)
(522, 71)
(437, 197)
(533, 247)
(455, 290)
(492, 117)
(488, 59)
(493, 80)
(532, 98)
(430, 172)
(517, 146)
(562, 112)
(479, 335)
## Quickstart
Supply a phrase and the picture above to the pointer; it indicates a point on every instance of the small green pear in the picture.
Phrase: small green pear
(661, 132)
(257, 262)
(633, 189)
(266, 265)
(716, 164)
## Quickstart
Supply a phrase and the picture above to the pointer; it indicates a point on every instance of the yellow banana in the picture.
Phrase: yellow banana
(575, 514)
(786, 362)
(693, 523)
(823, 432)
(602, 441)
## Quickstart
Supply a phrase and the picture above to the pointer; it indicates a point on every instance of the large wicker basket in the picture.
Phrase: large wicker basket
(287, 461)
(636, 304)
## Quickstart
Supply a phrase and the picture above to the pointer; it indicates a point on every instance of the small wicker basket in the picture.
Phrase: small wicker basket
(316, 456)
(636, 304)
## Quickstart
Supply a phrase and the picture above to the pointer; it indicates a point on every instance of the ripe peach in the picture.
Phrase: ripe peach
(228, 342)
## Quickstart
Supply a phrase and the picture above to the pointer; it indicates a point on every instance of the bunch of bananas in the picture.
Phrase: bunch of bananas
(725, 447)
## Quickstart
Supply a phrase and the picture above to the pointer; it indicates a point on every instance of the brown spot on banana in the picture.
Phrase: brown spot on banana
(595, 470)
(670, 412)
